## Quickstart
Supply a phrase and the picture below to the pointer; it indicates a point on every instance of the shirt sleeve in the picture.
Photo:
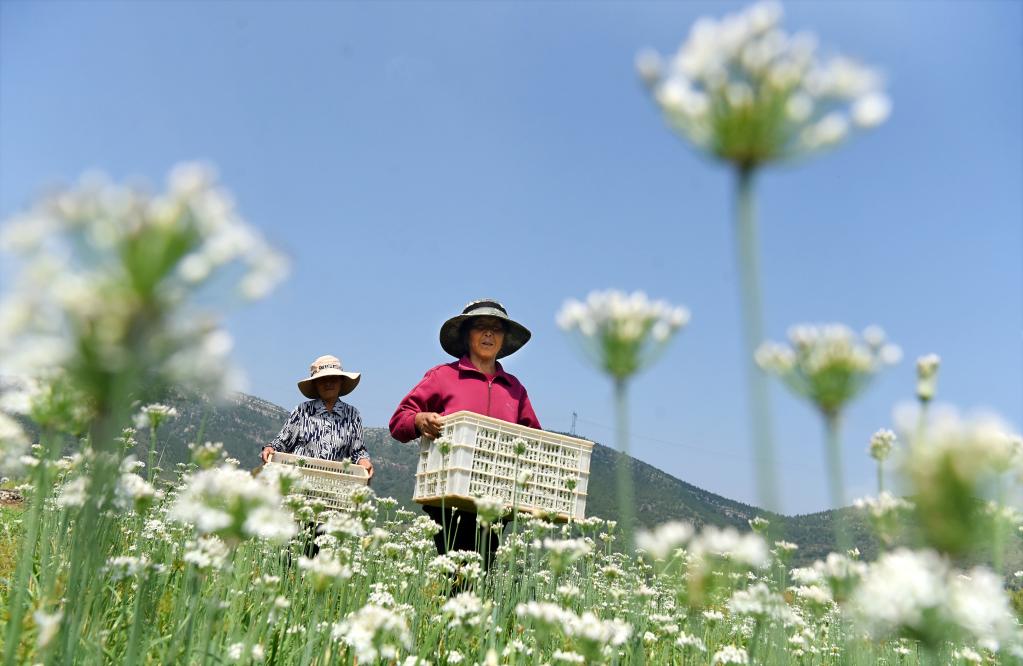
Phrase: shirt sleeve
(403, 422)
(527, 416)
(359, 451)
(285, 439)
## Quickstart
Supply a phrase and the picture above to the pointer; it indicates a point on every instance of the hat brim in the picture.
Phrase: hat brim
(451, 341)
(349, 380)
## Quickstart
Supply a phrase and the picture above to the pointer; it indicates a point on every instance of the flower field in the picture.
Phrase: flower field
(212, 567)
(118, 297)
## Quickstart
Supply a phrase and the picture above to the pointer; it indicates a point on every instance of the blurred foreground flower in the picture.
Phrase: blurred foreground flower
(103, 308)
(108, 271)
(747, 93)
(885, 513)
(231, 504)
(622, 333)
(956, 464)
(374, 633)
(917, 594)
(829, 365)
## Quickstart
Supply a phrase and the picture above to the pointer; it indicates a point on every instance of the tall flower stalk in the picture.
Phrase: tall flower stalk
(743, 91)
(926, 386)
(881, 443)
(829, 365)
(622, 333)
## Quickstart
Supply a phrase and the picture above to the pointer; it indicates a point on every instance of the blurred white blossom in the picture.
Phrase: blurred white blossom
(881, 443)
(828, 364)
(622, 333)
(953, 461)
(232, 504)
(664, 539)
(744, 548)
(927, 376)
(152, 416)
(730, 654)
(48, 624)
(102, 263)
(13, 445)
(917, 593)
(374, 633)
(744, 90)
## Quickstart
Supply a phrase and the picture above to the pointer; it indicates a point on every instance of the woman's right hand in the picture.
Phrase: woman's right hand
(429, 424)
(265, 455)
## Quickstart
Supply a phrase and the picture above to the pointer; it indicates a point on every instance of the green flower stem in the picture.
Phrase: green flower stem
(152, 453)
(626, 499)
(832, 426)
(880, 477)
(137, 623)
(91, 540)
(753, 335)
(23, 569)
(998, 537)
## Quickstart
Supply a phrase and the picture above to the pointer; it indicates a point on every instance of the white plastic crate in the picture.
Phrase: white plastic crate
(482, 461)
(329, 481)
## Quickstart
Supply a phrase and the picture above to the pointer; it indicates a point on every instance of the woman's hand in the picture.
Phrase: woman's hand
(267, 451)
(368, 464)
(429, 424)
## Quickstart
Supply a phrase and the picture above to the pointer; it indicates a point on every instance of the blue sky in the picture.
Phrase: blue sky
(412, 156)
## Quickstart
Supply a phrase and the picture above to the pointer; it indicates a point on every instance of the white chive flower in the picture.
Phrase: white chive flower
(621, 333)
(664, 539)
(374, 633)
(828, 364)
(730, 654)
(152, 416)
(747, 92)
(230, 503)
(881, 443)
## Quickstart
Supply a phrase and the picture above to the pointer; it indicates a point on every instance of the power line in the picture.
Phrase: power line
(691, 447)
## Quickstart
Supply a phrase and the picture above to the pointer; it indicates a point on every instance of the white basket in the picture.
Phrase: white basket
(482, 462)
(328, 481)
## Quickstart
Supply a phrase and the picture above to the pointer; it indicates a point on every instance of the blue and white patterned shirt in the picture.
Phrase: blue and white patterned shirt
(314, 432)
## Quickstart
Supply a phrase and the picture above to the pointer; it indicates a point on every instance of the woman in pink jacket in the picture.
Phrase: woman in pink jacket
(476, 382)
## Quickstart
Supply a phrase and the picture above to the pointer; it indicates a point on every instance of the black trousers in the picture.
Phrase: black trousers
(460, 531)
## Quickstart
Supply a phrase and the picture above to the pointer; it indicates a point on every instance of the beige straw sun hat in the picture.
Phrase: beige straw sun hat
(328, 366)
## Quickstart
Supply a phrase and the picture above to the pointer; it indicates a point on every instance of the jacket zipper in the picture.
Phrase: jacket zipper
(490, 384)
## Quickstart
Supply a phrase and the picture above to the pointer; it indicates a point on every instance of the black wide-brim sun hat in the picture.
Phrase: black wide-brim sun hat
(453, 342)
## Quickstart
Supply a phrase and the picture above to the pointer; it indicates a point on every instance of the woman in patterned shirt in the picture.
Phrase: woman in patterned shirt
(324, 427)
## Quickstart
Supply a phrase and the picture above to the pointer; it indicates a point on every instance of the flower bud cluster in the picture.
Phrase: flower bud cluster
(927, 377)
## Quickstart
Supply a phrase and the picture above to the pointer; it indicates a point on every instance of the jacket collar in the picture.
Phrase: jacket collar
(465, 365)
(321, 407)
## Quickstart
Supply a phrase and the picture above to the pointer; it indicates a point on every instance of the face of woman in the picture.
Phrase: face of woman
(486, 336)
(328, 387)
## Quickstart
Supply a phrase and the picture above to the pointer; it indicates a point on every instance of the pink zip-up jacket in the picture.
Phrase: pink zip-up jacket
(458, 386)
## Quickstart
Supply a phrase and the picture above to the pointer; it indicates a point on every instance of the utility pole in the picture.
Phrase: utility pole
(574, 417)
